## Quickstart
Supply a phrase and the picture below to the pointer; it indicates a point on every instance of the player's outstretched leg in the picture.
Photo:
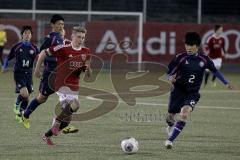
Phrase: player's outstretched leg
(46, 137)
(65, 115)
(170, 122)
(21, 103)
(32, 106)
(178, 127)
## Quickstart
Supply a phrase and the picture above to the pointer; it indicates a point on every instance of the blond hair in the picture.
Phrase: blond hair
(79, 29)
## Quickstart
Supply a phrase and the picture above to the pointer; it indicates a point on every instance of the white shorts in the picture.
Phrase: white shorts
(217, 62)
(66, 95)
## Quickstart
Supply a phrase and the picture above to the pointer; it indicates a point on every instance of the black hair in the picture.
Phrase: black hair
(24, 28)
(55, 18)
(192, 38)
(216, 27)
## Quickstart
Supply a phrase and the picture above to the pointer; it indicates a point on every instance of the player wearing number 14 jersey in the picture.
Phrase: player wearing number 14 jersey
(186, 72)
(24, 53)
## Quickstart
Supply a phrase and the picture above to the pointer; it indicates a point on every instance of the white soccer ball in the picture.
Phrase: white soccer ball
(129, 145)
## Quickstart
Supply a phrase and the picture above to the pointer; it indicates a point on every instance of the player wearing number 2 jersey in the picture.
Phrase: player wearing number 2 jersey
(186, 72)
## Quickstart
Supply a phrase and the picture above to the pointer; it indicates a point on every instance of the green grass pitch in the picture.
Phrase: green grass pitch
(212, 133)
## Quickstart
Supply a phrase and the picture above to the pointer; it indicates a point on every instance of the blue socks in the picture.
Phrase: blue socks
(32, 106)
(19, 100)
(178, 127)
(24, 104)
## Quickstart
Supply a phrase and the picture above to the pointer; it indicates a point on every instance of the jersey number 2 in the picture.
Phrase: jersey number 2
(191, 79)
(25, 63)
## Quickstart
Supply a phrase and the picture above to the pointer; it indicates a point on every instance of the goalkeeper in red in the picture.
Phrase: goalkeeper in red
(73, 59)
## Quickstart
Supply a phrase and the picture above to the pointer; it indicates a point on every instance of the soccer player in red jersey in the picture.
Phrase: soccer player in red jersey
(72, 59)
(216, 50)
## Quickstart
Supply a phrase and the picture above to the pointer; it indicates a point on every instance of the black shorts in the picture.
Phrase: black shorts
(46, 87)
(1, 49)
(178, 99)
(23, 80)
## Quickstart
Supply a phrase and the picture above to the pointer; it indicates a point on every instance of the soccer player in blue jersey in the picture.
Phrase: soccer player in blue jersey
(186, 72)
(25, 53)
(50, 63)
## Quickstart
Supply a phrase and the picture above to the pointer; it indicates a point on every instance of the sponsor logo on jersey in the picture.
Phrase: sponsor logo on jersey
(75, 64)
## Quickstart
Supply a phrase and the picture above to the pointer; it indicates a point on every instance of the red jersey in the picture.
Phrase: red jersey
(70, 62)
(215, 47)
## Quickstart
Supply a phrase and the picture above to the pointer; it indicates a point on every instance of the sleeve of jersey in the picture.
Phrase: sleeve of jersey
(213, 69)
(56, 51)
(210, 64)
(10, 56)
(172, 66)
(46, 43)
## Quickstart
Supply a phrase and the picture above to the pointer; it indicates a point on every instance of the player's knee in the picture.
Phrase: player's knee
(74, 104)
(24, 92)
(41, 98)
(185, 112)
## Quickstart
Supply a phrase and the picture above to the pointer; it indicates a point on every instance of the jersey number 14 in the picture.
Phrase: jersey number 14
(25, 63)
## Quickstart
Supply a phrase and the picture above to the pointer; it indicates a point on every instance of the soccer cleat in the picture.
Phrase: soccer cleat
(55, 128)
(169, 130)
(18, 118)
(214, 84)
(16, 109)
(25, 121)
(47, 140)
(70, 129)
(168, 144)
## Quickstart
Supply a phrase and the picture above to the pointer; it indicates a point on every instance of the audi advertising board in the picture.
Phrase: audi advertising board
(160, 41)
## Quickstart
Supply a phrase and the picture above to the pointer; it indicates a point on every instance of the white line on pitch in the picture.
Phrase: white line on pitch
(164, 104)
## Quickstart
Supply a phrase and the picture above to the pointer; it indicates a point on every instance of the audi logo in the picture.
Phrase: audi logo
(75, 64)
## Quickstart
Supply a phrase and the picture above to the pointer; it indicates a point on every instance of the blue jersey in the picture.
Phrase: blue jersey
(189, 71)
(53, 39)
(25, 54)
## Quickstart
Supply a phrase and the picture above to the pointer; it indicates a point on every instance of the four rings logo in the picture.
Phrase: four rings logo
(226, 35)
(75, 64)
